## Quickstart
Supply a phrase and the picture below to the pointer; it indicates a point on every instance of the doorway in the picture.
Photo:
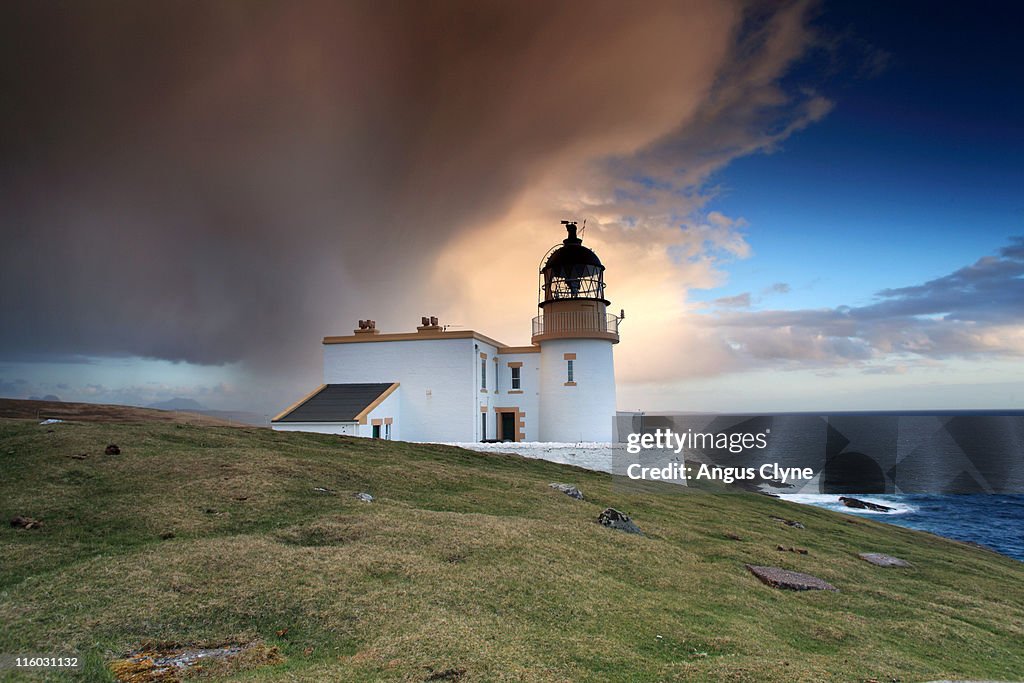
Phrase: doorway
(508, 423)
(508, 426)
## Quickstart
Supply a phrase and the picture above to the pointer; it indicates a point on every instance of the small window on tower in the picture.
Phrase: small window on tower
(515, 378)
(569, 371)
(483, 373)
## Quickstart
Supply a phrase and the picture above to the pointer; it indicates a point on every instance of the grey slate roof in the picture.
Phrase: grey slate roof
(336, 403)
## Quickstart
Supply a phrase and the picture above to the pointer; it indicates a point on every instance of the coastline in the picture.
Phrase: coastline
(993, 522)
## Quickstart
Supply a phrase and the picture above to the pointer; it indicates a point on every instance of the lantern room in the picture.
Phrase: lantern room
(572, 271)
(572, 299)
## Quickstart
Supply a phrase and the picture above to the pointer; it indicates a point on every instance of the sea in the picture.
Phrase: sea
(992, 520)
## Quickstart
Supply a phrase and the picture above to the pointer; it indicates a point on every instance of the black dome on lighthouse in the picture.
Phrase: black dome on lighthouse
(570, 255)
(572, 271)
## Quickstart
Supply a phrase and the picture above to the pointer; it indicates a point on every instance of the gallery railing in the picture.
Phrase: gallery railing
(567, 323)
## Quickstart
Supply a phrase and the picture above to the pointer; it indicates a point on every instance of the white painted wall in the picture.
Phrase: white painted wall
(583, 412)
(528, 401)
(440, 397)
(389, 407)
(439, 382)
(347, 428)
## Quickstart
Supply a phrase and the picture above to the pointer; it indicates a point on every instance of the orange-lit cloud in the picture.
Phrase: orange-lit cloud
(646, 210)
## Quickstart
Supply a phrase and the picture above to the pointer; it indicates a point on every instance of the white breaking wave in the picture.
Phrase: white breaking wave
(831, 502)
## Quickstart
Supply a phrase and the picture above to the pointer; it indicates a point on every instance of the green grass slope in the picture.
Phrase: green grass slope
(466, 562)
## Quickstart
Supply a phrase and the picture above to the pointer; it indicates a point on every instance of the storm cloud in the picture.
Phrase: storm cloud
(223, 182)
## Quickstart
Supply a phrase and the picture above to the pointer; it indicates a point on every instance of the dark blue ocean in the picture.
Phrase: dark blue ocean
(996, 521)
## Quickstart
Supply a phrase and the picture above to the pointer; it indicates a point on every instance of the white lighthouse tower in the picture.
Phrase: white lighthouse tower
(575, 333)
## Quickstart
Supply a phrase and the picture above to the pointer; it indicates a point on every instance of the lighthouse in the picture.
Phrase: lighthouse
(575, 334)
(439, 384)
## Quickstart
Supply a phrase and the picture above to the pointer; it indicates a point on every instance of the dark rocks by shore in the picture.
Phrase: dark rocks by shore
(864, 505)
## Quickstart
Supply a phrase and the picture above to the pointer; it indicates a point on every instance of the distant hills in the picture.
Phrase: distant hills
(178, 404)
(193, 406)
(99, 412)
(174, 410)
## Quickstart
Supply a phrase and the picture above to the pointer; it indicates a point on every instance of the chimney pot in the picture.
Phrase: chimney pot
(367, 327)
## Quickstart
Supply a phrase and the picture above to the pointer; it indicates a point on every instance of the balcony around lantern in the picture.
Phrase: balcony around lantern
(594, 324)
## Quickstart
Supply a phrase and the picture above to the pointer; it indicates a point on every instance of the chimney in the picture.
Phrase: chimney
(367, 327)
(429, 324)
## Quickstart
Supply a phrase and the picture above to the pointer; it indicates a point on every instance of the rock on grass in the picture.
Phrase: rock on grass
(883, 560)
(19, 522)
(446, 675)
(568, 489)
(791, 549)
(789, 522)
(777, 577)
(170, 662)
(613, 519)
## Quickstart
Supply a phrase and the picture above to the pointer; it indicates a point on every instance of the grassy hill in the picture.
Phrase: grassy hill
(467, 566)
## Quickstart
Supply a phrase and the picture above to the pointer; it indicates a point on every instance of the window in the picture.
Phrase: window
(483, 426)
(483, 373)
(515, 378)
(569, 369)
(387, 431)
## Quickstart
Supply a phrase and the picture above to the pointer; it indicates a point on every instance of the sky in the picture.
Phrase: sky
(801, 205)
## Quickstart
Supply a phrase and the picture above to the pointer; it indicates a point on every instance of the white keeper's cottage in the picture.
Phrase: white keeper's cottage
(439, 385)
